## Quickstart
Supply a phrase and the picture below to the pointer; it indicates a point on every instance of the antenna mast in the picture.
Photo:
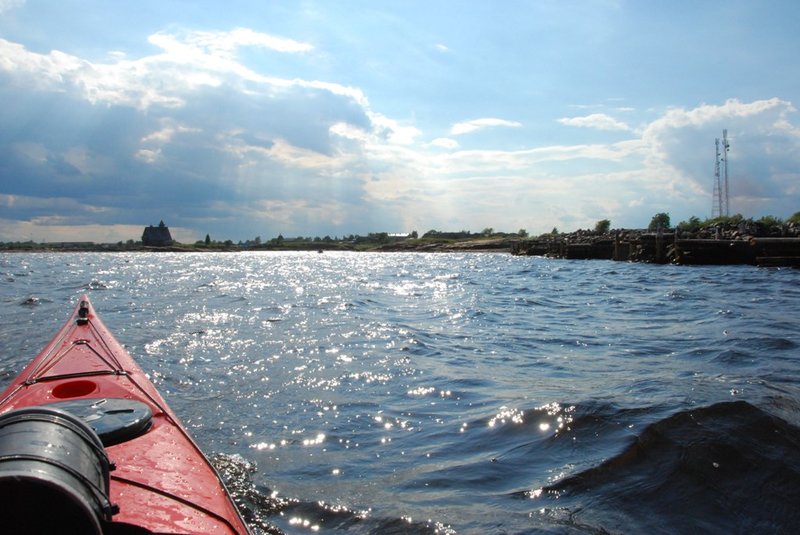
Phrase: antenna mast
(719, 205)
(726, 147)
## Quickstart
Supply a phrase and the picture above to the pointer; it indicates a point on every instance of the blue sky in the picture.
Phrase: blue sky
(310, 118)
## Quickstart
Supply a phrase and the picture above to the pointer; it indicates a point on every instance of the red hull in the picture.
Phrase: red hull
(162, 481)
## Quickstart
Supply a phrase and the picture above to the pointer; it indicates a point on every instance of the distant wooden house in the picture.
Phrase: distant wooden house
(157, 236)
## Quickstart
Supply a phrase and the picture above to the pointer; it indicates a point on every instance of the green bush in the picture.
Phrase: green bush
(770, 221)
(602, 226)
(660, 220)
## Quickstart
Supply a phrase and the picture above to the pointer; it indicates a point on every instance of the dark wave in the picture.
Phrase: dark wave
(725, 468)
(267, 513)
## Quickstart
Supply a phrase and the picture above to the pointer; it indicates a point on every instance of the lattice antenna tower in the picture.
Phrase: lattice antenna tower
(721, 198)
(726, 148)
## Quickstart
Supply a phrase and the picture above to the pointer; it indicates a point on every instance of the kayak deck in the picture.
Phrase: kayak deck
(162, 482)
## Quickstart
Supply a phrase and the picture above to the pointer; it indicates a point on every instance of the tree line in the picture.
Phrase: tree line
(661, 221)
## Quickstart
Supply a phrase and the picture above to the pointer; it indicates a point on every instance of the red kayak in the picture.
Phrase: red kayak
(89, 446)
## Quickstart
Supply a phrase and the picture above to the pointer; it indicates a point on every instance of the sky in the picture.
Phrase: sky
(244, 119)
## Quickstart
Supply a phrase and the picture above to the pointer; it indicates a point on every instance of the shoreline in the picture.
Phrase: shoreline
(503, 245)
(644, 247)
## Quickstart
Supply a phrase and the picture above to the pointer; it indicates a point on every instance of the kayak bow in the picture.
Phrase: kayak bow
(88, 445)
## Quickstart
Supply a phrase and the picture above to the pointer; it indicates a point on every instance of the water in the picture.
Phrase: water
(456, 393)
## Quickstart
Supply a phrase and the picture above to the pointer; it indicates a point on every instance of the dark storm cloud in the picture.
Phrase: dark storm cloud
(193, 167)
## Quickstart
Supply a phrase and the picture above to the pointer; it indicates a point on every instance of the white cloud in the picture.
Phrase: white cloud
(8, 5)
(600, 121)
(445, 143)
(498, 161)
(774, 109)
(349, 131)
(393, 131)
(299, 158)
(224, 43)
(148, 155)
(168, 130)
(186, 63)
(470, 126)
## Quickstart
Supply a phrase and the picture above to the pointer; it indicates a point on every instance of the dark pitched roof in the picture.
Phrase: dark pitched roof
(157, 236)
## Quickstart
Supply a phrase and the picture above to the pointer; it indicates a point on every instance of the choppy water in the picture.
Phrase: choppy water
(457, 393)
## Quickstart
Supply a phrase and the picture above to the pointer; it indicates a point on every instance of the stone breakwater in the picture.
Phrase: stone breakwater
(716, 246)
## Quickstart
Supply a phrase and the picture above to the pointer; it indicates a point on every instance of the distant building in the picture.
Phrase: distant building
(157, 236)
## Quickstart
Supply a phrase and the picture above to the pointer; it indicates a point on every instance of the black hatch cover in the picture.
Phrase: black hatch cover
(115, 420)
